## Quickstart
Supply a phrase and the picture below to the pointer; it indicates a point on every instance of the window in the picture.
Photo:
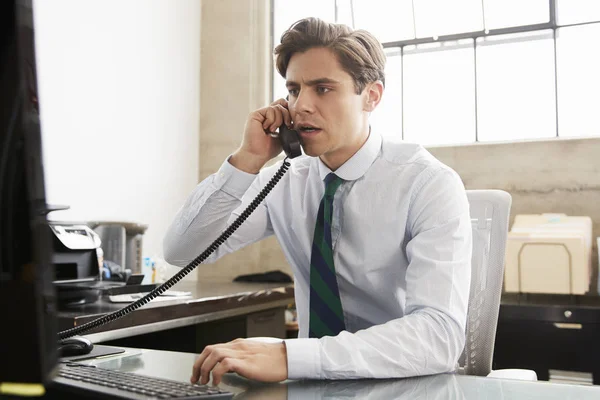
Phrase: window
(500, 14)
(462, 71)
(515, 87)
(386, 118)
(439, 105)
(577, 11)
(578, 65)
(394, 24)
(431, 17)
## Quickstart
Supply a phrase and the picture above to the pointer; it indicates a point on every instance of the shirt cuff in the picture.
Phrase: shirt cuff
(303, 358)
(233, 181)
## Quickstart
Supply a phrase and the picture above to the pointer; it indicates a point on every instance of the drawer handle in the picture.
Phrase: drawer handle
(260, 320)
(562, 325)
(268, 316)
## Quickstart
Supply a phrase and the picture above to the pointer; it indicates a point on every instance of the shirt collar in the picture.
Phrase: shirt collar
(359, 163)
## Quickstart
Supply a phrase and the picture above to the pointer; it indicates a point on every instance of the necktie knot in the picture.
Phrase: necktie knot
(332, 183)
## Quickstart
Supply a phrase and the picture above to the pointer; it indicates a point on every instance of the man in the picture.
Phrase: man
(377, 233)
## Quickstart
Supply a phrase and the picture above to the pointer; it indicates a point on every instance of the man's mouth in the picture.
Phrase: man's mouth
(307, 130)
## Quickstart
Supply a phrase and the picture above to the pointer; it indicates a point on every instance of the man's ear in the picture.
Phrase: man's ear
(373, 92)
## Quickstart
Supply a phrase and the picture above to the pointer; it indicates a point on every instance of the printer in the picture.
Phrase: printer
(78, 278)
(75, 256)
(75, 261)
(549, 253)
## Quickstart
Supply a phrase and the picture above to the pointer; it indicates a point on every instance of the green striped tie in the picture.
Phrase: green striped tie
(326, 315)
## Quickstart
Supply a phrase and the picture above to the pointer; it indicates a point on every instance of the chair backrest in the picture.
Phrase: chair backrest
(490, 210)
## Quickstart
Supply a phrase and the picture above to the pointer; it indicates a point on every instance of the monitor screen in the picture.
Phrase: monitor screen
(27, 298)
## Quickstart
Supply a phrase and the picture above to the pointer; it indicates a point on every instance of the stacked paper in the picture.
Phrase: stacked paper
(549, 253)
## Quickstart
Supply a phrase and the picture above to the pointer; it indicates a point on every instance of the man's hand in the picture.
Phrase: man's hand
(258, 146)
(265, 362)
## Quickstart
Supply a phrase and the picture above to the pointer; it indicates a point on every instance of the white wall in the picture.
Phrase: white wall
(119, 84)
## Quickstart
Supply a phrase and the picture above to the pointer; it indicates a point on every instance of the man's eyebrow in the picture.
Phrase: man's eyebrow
(314, 82)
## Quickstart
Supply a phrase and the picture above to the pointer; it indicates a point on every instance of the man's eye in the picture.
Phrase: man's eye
(322, 90)
(293, 92)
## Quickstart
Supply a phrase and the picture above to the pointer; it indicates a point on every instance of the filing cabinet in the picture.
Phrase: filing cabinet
(549, 332)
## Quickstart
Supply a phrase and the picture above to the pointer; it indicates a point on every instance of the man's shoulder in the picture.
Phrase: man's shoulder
(400, 154)
(414, 163)
(299, 167)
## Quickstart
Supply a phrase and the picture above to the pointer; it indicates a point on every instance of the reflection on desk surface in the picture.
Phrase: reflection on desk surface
(178, 366)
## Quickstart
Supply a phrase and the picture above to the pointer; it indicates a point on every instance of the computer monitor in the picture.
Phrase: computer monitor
(27, 297)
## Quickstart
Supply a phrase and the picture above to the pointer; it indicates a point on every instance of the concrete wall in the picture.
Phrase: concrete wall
(235, 78)
(554, 176)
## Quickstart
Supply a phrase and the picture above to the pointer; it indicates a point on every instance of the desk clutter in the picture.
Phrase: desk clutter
(97, 258)
(549, 253)
(166, 296)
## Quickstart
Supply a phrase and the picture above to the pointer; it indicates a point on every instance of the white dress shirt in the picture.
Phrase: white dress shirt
(401, 236)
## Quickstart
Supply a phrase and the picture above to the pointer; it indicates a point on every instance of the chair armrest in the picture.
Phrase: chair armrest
(518, 374)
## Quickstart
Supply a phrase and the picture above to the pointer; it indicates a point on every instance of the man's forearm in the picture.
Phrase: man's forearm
(423, 343)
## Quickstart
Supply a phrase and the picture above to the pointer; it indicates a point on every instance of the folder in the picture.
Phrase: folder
(549, 253)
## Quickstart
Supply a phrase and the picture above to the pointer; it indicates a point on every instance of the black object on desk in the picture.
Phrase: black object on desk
(74, 346)
(275, 276)
(549, 332)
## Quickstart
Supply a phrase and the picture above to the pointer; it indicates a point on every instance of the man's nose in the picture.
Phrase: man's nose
(304, 102)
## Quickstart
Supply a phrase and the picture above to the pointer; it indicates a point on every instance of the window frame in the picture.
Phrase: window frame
(398, 46)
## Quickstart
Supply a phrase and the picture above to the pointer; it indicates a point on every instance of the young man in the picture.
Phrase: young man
(377, 233)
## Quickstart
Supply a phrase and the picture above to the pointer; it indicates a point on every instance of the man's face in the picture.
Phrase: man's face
(327, 112)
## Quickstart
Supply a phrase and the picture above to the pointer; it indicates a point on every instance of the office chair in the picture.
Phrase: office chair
(490, 210)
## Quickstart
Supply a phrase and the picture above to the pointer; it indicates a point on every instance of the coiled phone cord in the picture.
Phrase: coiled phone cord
(189, 268)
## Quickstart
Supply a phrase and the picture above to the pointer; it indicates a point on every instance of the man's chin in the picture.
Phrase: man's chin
(312, 151)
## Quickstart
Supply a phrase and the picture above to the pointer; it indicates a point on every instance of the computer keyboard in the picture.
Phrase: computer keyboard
(125, 385)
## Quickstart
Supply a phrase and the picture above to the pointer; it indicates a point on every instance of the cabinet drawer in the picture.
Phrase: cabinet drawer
(269, 323)
(542, 346)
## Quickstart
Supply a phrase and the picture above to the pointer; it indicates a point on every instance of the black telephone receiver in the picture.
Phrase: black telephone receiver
(290, 141)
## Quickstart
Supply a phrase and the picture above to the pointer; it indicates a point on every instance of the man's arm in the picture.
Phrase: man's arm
(211, 207)
(430, 337)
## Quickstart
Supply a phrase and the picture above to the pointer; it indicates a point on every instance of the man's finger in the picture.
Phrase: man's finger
(208, 350)
(216, 356)
(281, 102)
(286, 115)
(269, 118)
(278, 120)
(196, 368)
(226, 365)
(237, 344)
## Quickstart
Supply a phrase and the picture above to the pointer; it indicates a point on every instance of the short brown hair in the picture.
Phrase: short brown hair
(358, 51)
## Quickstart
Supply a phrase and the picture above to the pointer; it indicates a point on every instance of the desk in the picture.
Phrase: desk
(216, 312)
(549, 332)
(177, 366)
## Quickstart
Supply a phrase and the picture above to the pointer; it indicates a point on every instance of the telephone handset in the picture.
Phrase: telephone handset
(290, 141)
